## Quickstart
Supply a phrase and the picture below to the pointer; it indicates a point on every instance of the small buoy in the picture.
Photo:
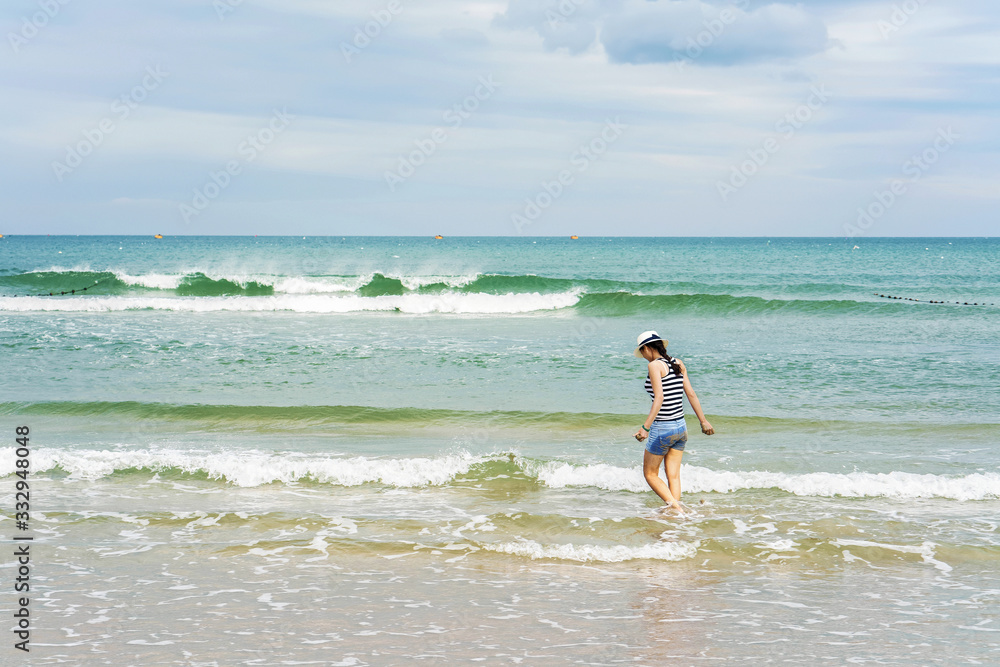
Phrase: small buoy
(574, 237)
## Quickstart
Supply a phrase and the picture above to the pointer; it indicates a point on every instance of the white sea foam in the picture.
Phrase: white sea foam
(925, 550)
(253, 468)
(596, 553)
(79, 268)
(282, 284)
(326, 284)
(600, 475)
(978, 486)
(312, 285)
(416, 282)
(446, 302)
(151, 280)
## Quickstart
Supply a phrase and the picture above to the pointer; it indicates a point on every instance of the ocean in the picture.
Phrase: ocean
(380, 450)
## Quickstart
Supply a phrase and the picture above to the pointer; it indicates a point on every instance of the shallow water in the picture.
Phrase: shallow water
(374, 451)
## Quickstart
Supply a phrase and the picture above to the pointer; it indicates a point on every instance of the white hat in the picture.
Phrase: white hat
(645, 338)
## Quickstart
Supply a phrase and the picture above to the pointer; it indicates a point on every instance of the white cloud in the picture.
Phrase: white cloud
(637, 31)
(561, 79)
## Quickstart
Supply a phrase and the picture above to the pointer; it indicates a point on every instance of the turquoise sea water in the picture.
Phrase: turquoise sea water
(372, 450)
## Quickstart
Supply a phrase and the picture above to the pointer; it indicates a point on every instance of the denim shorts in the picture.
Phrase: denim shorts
(667, 435)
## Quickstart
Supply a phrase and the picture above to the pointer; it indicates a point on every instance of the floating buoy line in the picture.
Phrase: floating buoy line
(910, 298)
(62, 293)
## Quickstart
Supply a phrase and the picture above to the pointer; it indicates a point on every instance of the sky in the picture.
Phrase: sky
(834, 118)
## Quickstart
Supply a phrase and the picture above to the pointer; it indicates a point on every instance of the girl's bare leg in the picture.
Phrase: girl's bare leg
(651, 471)
(672, 464)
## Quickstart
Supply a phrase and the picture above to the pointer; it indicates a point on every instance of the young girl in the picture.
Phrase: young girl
(665, 427)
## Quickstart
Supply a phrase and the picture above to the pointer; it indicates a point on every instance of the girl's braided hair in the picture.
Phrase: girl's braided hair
(658, 346)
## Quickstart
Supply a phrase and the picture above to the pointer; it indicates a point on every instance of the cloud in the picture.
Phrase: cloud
(638, 31)
(664, 32)
(355, 119)
(562, 24)
(465, 38)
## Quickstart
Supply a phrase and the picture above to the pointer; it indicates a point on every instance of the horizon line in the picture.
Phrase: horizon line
(485, 236)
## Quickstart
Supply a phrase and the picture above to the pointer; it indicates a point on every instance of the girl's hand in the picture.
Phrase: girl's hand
(639, 435)
(706, 428)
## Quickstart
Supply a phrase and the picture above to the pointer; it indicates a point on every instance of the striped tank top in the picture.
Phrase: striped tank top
(673, 394)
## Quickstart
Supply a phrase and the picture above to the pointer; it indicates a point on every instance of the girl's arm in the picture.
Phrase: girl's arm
(655, 373)
(706, 428)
